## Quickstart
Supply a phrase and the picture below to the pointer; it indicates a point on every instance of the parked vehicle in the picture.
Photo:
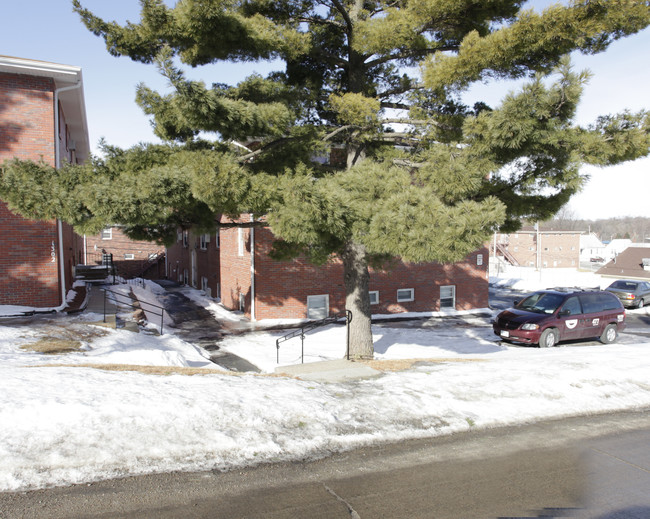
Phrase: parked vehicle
(547, 317)
(633, 294)
(597, 259)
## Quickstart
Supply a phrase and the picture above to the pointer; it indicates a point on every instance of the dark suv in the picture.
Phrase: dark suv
(550, 316)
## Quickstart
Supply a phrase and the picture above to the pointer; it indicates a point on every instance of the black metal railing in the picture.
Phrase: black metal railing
(131, 304)
(312, 325)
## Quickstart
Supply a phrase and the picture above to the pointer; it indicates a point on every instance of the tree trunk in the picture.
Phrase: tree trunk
(357, 300)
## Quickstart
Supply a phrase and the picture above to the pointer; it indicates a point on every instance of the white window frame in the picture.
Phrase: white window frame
(186, 238)
(452, 297)
(479, 259)
(203, 242)
(107, 234)
(319, 297)
(403, 298)
(240, 241)
(374, 297)
(129, 256)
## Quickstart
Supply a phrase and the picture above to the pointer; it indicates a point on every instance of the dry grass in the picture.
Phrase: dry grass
(53, 346)
(404, 364)
(157, 370)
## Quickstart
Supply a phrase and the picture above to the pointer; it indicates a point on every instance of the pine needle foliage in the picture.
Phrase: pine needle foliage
(422, 176)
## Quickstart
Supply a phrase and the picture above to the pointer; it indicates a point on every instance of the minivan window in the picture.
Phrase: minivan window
(597, 302)
(541, 303)
(572, 306)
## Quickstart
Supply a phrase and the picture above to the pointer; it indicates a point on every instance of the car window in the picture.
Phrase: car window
(590, 303)
(541, 302)
(624, 285)
(598, 302)
(608, 301)
(572, 306)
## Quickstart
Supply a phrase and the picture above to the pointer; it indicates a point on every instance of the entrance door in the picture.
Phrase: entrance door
(194, 277)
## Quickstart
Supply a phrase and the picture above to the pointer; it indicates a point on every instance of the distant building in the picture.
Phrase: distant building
(42, 117)
(529, 247)
(194, 260)
(131, 258)
(591, 247)
(632, 263)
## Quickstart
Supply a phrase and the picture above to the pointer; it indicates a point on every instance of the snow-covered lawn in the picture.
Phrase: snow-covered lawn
(64, 423)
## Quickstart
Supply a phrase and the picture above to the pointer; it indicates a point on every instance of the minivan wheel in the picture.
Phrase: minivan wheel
(609, 334)
(548, 339)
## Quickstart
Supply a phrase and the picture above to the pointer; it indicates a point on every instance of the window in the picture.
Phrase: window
(204, 240)
(107, 234)
(240, 242)
(374, 297)
(179, 235)
(186, 277)
(218, 239)
(186, 238)
(129, 256)
(219, 290)
(318, 307)
(405, 294)
(242, 302)
(572, 306)
(448, 296)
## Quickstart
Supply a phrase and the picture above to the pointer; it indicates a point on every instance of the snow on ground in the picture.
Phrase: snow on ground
(61, 423)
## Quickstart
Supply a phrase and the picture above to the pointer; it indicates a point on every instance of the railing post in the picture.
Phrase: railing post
(104, 305)
(348, 319)
(162, 320)
(302, 348)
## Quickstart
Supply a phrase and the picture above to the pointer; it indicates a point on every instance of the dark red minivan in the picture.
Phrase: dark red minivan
(547, 317)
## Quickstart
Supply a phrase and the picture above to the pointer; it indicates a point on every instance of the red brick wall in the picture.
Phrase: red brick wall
(558, 250)
(179, 259)
(235, 269)
(26, 118)
(281, 288)
(28, 277)
(120, 245)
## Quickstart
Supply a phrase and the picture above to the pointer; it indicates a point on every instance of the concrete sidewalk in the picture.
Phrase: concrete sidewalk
(329, 371)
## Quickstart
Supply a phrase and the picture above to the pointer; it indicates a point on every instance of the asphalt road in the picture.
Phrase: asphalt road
(591, 467)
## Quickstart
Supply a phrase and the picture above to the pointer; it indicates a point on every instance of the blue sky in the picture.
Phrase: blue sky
(48, 30)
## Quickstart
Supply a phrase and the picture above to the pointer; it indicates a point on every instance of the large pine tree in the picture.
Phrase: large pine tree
(423, 177)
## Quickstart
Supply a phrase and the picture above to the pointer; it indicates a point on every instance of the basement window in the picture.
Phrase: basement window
(374, 297)
(129, 256)
(318, 307)
(448, 296)
(405, 294)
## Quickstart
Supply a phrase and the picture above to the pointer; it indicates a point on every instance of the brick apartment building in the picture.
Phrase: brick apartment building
(539, 248)
(131, 258)
(195, 260)
(234, 265)
(42, 117)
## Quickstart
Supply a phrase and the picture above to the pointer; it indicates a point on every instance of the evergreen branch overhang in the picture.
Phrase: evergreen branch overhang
(242, 225)
(416, 54)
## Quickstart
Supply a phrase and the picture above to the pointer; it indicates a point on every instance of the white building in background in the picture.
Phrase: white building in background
(591, 247)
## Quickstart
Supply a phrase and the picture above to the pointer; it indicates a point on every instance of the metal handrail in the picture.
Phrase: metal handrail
(347, 314)
(117, 294)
